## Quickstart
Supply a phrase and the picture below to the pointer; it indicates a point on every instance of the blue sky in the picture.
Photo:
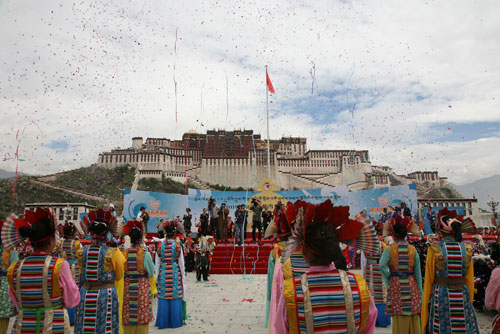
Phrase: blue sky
(92, 77)
(58, 146)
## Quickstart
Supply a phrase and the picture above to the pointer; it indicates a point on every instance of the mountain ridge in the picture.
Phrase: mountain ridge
(483, 189)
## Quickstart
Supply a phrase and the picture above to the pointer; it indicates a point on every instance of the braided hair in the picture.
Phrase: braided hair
(323, 244)
(39, 233)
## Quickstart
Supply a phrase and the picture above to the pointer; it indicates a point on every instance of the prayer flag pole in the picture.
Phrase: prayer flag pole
(268, 87)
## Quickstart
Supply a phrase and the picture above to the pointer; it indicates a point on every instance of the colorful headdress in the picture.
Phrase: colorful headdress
(11, 238)
(170, 224)
(66, 227)
(101, 217)
(133, 225)
(446, 217)
(358, 233)
(409, 224)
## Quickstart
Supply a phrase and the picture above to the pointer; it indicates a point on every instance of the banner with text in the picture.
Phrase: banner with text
(158, 205)
(169, 206)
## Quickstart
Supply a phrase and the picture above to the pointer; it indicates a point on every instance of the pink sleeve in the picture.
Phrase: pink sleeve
(492, 300)
(372, 318)
(71, 294)
(278, 323)
(12, 297)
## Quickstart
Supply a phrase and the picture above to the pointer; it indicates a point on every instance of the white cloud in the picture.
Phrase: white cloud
(96, 74)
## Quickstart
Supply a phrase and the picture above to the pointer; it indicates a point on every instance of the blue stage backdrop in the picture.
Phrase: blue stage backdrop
(161, 205)
(158, 205)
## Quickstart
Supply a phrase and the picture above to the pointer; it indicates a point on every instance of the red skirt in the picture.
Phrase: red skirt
(137, 309)
(403, 296)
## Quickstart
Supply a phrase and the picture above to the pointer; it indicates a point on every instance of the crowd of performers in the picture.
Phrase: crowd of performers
(50, 281)
(417, 283)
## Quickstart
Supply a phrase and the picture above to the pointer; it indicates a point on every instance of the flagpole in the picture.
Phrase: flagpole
(267, 117)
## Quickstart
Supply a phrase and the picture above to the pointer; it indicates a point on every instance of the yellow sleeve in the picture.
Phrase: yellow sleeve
(152, 284)
(119, 286)
(118, 261)
(79, 256)
(430, 268)
(364, 294)
(77, 245)
(10, 275)
(469, 278)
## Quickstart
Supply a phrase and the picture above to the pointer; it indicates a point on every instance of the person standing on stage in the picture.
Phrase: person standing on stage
(204, 222)
(41, 286)
(279, 215)
(267, 216)
(100, 266)
(143, 217)
(241, 216)
(223, 222)
(139, 268)
(400, 267)
(213, 211)
(169, 280)
(449, 279)
(256, 218)
(187, 222)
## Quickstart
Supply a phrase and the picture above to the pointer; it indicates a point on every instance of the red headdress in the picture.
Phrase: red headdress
(131, 225)
(446, 217)
(406, 222)
(359, 233)
(72, 232)
(101, 217)
(11, 238)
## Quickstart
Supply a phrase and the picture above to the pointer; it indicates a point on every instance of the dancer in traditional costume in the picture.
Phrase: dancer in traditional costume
(410, 225)
(67, 249)
(41, 286)
(170, 288)
(328, 299)
(373, 276)
(203, 252)
(100, 267)
(400, 267)
(492, 301)
(139, 268)
(223, 221)
(274, 256)
(449, 279)
(6, 308)
(286, 270)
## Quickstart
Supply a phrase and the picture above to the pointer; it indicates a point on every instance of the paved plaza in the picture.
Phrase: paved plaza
(236, 304)
(232, 304)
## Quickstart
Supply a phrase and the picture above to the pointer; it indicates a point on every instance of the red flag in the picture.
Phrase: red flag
(269, 83)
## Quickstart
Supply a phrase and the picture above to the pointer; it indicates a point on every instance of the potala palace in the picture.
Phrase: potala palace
(239, 159)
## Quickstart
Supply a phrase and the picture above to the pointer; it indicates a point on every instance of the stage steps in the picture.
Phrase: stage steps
(252, 258)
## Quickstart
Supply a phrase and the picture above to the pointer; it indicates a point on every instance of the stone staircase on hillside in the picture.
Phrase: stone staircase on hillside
(308, 179)
(199, 184)
(70, 191)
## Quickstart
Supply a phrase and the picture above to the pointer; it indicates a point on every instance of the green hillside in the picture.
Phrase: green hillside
(93, 180)
(163, 185)
(29, 192)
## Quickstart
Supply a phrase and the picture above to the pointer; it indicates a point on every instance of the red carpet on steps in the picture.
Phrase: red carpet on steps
(250, 259)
